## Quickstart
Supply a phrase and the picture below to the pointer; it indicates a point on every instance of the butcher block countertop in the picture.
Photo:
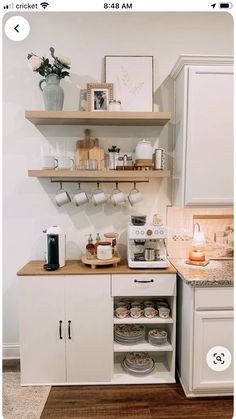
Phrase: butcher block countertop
(218, 273)
(76, 267)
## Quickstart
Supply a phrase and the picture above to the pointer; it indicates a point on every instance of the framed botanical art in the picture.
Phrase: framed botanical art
(132, 77)
(99, 95)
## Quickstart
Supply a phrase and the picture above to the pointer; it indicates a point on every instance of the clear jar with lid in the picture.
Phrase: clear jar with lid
(114, 106)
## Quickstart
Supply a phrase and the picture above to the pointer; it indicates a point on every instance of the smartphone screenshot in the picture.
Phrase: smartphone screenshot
(117, 209)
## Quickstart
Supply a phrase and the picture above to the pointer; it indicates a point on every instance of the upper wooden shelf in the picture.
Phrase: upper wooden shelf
(98, 118)
(129, 175)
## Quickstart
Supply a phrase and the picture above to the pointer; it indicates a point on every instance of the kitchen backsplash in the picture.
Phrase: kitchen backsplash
(216, 223)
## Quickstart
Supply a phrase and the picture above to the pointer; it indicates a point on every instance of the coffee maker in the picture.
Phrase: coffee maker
(55, 248)
(146, 246)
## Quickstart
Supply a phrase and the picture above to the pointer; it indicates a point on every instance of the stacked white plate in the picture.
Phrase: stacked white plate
(138, 363)
(157, 337)
(129, 334)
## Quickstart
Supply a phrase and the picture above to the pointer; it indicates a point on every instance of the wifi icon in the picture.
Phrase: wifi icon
(44, 4)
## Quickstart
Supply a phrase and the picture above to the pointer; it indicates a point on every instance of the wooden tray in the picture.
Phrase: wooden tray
(97, 262)
(197, 263)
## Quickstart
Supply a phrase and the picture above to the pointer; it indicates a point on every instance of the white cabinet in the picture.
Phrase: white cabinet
(66, 330)
(89, 309)
(203, 132)
(212, 329)
(42, 352)
(205, 321)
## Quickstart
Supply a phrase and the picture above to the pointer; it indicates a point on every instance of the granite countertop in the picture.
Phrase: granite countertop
(218, 273)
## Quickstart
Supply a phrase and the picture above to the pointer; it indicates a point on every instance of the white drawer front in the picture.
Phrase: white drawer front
(143, 284)
(214, 298)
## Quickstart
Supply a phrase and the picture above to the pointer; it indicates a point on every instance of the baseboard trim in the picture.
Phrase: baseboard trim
(11, 351)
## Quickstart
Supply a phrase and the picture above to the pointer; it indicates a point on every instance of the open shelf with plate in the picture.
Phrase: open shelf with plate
(162, 372)
(162, 355)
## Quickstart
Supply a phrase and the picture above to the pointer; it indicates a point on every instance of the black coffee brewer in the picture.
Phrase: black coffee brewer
(55, 249)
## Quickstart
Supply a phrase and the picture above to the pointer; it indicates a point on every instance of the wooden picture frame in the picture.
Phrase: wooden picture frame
(132, 77)
(98, 96)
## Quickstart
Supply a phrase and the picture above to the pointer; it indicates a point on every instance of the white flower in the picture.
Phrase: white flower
(35, 63)
(64, 60)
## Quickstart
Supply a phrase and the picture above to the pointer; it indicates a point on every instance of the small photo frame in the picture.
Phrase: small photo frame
(98, 96)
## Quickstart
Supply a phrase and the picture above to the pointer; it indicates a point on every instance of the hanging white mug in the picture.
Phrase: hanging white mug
(98, 197)
(62, 197)
(80, 198)
(117, 197)
(134, 197)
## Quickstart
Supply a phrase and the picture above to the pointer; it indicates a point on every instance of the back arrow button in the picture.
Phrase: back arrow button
(16, 28)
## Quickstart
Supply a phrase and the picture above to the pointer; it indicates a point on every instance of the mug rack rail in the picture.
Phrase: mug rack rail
(61, 181)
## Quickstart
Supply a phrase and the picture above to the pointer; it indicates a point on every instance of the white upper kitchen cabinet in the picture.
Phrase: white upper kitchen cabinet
(203, 131)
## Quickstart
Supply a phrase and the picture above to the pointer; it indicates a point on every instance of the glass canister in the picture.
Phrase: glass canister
(113, 157)
(143, 150)
(114, 106)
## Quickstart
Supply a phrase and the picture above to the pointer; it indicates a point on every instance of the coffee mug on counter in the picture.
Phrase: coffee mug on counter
(65, 162)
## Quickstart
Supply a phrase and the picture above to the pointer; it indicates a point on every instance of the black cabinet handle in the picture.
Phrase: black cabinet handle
(69, 322)
(143, 282)
(60, 323)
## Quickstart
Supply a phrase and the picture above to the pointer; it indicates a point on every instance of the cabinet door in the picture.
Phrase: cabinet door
(209, 154)
(42, 351)
(89, 352)
(212, 328)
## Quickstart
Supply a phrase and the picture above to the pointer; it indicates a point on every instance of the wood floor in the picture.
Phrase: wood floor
(132, 402)
(165, 401)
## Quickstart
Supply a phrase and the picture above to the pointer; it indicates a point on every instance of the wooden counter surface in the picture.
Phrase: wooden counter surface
(76, 267)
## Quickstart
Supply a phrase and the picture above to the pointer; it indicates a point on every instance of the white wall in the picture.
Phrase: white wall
(85, 38)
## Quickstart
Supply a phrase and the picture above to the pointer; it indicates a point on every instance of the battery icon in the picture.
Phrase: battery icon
(225, 5)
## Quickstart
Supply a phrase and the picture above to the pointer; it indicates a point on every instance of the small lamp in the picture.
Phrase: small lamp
(196, 252)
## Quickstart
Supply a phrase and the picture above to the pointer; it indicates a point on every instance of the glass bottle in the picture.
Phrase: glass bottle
(98, 239)
(90, 248)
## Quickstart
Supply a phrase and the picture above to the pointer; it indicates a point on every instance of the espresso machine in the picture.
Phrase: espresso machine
(146, 246)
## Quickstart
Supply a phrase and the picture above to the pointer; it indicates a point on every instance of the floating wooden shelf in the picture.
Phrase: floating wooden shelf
(99, 175)
(98, 118)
